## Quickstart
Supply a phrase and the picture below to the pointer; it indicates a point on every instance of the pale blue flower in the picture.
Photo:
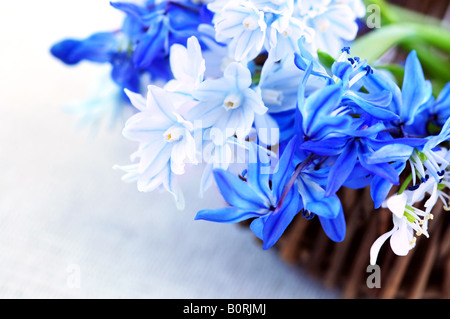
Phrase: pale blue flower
(165, 141)
(275, 6)
(228, 104)
(187, 66)
(284, 34)
(279, 84)
(242, 27)
(334, 27)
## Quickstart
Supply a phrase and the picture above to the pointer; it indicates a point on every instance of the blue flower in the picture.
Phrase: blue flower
(408, 101)
(257, 197)
(102, 47)
(141, 46)
(311, 186)
(320, 111)
(162, 24)
(361, 148)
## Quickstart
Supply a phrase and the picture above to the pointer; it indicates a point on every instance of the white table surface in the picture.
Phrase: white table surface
(69, 227)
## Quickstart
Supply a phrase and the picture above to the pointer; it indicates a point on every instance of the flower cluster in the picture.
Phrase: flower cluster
(246, 94)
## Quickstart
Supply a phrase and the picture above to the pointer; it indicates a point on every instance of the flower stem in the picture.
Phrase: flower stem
(291, 182)
(405, 184)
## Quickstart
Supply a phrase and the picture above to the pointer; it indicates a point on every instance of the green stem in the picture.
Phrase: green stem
(405, 184)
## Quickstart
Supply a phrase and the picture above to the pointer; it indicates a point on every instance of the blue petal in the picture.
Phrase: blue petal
(276, 224)
(334, 228)
(342, 70)
(226, 215)
(442, 105)
(130, 9)
(391, 152)
(257, 226)
(359, 178)
(378, 82)
(409, 141)
(303, 59)
(96, 48)
(341, 168)
(150, 46)
(380, 187)
(383, 170)
(416, 90)
(259, 170)
(184, 18)
(317, 112)
(314, 199)
(328, 147)
(237, 193)
(124, 73)
(284, 168)
(286, 123)
(373, 104)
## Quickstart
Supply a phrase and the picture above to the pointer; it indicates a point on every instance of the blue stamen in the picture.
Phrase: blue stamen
(308, 215)
(346, 49)
(351, 60)
(441, 173)
(368, 70)
(413, 188)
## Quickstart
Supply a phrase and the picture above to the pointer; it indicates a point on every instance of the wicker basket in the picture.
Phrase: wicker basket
(423, 273)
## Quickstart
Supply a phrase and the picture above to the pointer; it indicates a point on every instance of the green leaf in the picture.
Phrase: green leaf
(325, 59)
(376, 43)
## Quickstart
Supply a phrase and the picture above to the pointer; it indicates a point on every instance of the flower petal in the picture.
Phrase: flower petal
(335, 228)
(226, 215)
(415, 90)
(237, 192)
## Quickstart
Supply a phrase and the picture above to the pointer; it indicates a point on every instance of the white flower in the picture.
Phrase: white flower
(165, 142)
(333, 27)
(188, 67)
(241, 26)
(228, 104)
(407, 219)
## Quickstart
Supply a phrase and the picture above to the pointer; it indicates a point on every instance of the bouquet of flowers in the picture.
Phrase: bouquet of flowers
(283, 103)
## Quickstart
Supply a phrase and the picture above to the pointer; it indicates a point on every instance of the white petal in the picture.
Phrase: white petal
(397, 204)
(254, 101)
(267, 129)
(238, 75)
(376, 246)
(160, 101)
(137, 100)
(400, 240)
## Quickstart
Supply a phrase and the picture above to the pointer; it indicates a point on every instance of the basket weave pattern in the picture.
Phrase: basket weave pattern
(423, 273)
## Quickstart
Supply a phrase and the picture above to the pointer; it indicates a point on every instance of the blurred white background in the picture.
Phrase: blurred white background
(69, 227)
